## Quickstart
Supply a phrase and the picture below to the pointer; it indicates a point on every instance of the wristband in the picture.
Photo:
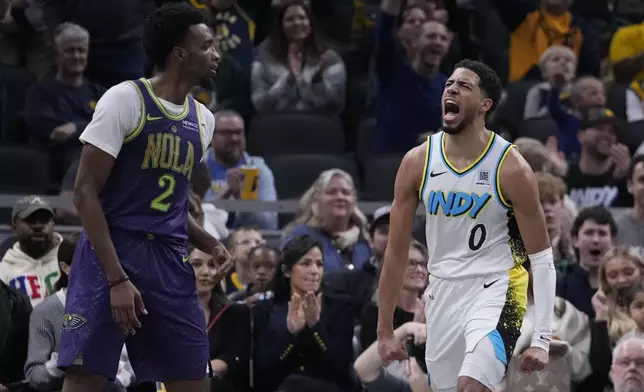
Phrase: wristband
(118, 281)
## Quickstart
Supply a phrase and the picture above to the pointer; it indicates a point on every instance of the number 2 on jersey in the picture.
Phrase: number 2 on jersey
(477, 237)
(161, 202)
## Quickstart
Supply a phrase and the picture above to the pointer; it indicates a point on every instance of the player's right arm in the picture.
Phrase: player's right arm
(403, 211)
(117, 114)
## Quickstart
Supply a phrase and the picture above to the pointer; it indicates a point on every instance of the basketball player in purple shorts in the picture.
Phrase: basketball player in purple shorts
(131, 282)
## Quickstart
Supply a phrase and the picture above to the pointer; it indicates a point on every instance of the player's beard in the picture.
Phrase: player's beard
(460, 127)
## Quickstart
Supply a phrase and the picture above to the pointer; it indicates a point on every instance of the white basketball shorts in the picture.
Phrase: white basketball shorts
(472, 327)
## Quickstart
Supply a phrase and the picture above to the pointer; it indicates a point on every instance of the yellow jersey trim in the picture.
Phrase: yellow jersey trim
(180, 116)
(499, 194)
(518, 286)
(427, 154)
(471, 165)
(141, 124)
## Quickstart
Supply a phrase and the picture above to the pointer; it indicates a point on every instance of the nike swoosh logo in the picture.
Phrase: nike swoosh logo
(545, 338)
(150, 118)
(185, 258)
(485, 286)
(432, 174)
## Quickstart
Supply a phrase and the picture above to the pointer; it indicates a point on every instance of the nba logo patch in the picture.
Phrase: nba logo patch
(483, 177)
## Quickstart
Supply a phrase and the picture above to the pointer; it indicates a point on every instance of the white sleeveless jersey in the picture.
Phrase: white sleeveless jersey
(471, 230)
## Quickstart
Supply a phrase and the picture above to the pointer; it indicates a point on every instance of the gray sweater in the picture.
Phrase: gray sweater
(44, 337)
(273, 88)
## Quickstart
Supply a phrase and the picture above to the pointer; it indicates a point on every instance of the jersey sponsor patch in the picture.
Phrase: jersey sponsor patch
(73, 321)
(483, 177)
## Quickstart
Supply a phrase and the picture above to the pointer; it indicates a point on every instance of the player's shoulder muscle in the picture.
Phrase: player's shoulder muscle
(411, 171)
(117, 114)
(516, 174)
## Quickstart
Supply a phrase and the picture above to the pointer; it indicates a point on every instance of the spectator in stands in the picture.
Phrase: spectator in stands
(262, 261)
(410, 85)
(32, 264)
(315, 341)
(599, 176)
(627, 370)
(635, 306)
(360, 284)
(329, 212)
(241, 241)
(627, 56)
(631, 224)
(23, 38)
(593, 232)
(551, 193)
(293, 70)
(58, 108)
(409, 300)
(116, 35)
(558, 65)
(535, 30)
(621, 268)
(14, 334)
(377, 376)
(237, 175)
(569, 350)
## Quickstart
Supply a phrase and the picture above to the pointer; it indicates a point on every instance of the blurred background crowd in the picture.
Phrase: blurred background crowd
(317, 101)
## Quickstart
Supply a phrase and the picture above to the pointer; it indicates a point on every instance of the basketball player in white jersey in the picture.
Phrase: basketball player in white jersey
(484, 220)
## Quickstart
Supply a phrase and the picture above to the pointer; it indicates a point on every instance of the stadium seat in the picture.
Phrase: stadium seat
(295, 133)
(379, 177)
(14, 83)
(540, 128)
(23, 170)
(294, 174)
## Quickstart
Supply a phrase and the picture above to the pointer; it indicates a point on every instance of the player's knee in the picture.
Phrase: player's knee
(78, 379)
(469, 384)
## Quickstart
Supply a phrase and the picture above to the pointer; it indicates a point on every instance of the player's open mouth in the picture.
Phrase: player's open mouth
(595, 252)
(451, 110)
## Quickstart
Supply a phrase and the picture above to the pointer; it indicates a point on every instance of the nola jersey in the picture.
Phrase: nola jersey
(471, 230)
(149, 185)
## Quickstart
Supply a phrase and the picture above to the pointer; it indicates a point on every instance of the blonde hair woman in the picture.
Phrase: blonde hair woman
(621, 268)
(329, 212)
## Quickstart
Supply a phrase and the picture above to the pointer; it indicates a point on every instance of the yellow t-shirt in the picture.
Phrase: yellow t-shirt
(627, 42)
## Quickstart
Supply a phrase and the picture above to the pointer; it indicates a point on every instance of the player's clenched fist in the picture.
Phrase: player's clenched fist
(534, 359)
(391, 349)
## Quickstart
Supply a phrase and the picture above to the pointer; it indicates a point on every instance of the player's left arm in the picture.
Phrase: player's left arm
(519, 187)
(197, 235)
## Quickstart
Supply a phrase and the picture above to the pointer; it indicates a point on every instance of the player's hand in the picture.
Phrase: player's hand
(312, 307)
(390, 348)
(533, 359)
(223, 262)
(295, 320)
(126, 301)
(418, 331)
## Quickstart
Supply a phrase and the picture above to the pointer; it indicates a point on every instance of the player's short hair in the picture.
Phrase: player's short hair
(550, 187)
(598, 214)
(166, 28)
(489, 83)
(232, 238)
(264, 246)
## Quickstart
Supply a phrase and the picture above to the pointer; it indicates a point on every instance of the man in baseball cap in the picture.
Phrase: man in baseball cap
(31, 265)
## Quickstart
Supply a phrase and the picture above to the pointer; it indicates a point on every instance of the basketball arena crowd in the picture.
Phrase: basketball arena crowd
(318, 101)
